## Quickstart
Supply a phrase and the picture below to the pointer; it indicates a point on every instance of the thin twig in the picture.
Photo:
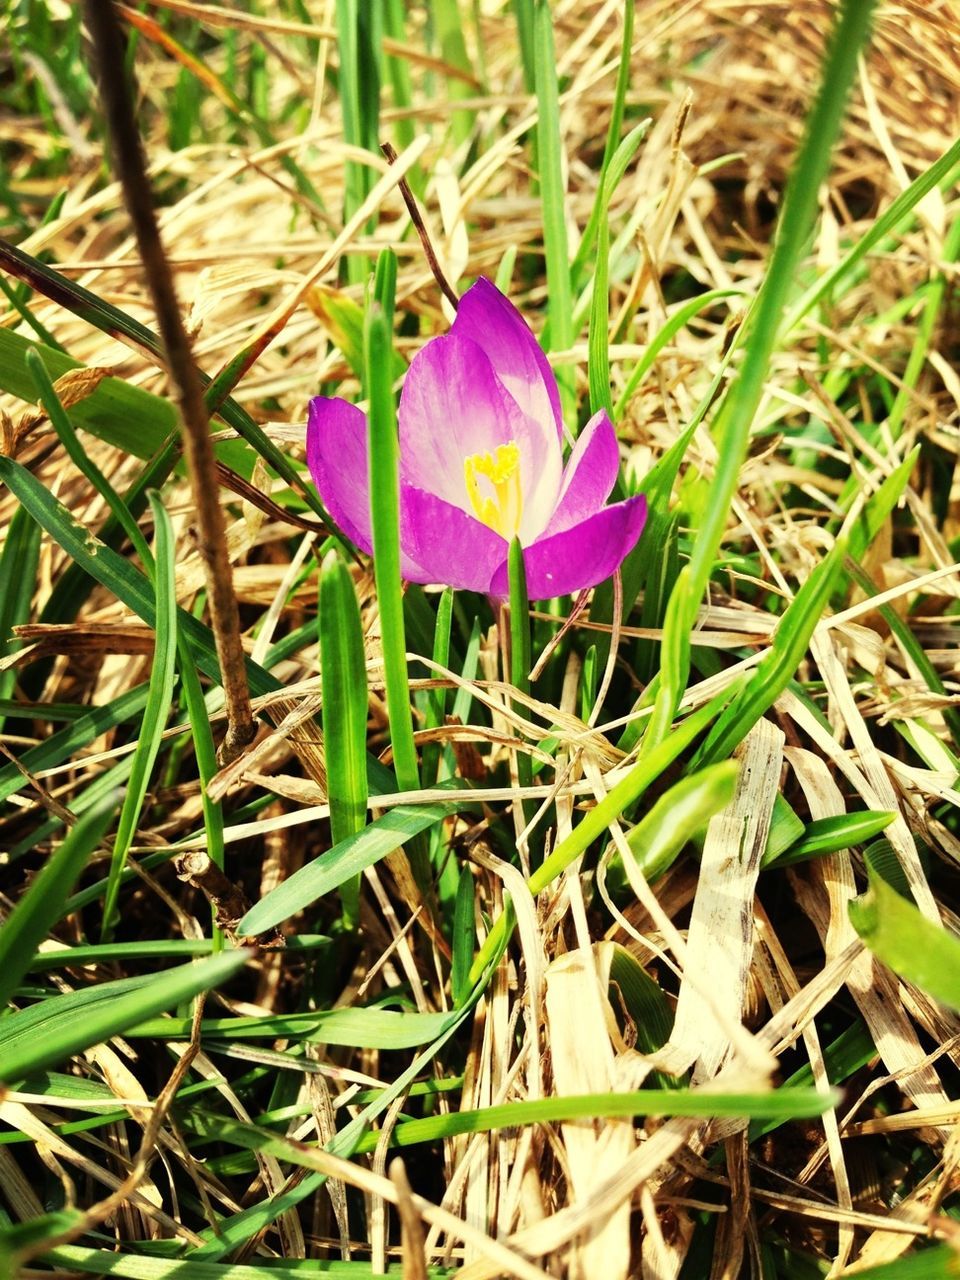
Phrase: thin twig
(416, 217)
(131, 168)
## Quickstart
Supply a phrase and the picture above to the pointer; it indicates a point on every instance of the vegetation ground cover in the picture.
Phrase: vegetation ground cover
(608, 935)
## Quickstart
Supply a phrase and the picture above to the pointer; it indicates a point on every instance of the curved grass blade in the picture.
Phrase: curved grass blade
(679, 814)
(39, 909)
(155, 713)
(941, 171)
(677, 321)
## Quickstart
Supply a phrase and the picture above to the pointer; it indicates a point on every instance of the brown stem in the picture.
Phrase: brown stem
(131, 168)
(416, 217)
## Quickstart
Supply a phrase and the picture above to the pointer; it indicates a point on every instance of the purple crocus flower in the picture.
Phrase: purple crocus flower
(481, 440)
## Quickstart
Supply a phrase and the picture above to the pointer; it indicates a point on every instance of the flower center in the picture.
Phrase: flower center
(501, 510)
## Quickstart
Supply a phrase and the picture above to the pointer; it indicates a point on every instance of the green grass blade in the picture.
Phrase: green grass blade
(155, 713)
(345, 860)
(607, 181)
(906, 942)
(19, 561)
(739, 407)
(553, 196)
(678, 320)
(385, 521)
(829, 835)
(886, 224)
(598, 343)
(206, 754)
(448, 25)
(357, 176)
(343, 676)
(521, 659)
(779, 664)
(68, 741)
(48, 1032)
(39, 909)
(437, 700)
(879, 507)
(679, 815)
(82, 460)
(936, 293)
(114, 572)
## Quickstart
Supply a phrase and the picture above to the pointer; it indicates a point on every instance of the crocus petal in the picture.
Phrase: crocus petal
(453, 548)
(337, 458)
(454, 405)
(581, 556)
(497, 327)
(589, 476)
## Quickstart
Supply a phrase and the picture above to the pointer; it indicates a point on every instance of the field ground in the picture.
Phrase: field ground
(573, 995)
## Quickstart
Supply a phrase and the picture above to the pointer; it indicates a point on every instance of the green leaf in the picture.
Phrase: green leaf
(48, 1032)
(116, 412)
(39, 908)
(344, 860)
(906, 942)
(829, 835)
(644, 1000)
(785, 830)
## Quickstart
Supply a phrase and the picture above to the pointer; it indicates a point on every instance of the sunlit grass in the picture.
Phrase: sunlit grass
(533, 864)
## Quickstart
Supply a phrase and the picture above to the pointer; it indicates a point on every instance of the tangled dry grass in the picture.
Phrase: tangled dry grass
(748, 967)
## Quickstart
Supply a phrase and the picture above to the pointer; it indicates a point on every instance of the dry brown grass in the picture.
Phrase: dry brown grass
(727, 84)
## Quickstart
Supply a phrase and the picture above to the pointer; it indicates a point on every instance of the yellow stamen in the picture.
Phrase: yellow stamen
(503, 510)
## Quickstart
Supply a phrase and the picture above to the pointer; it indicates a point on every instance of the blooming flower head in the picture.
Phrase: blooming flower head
(481, 438)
